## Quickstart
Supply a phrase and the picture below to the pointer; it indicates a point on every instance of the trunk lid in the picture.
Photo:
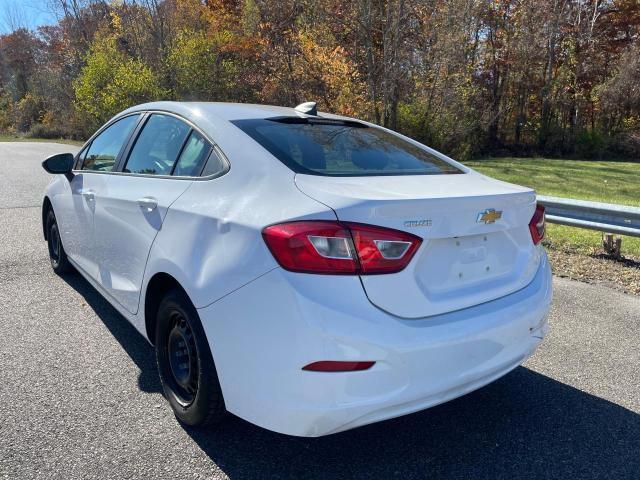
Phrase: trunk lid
(462, 261)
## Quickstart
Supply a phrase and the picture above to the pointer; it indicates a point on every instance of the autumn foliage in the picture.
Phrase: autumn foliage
(470, 77)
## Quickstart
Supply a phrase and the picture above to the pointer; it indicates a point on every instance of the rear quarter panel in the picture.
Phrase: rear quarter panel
(211, 239)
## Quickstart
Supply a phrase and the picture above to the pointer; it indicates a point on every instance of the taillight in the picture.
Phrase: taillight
(382, 250)
(318, 246)
(537, 225)
(313, 247)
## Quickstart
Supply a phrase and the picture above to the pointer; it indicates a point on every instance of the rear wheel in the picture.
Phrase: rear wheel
(187, 371)
(57, 255)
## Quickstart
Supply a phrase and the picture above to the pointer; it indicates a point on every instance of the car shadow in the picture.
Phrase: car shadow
(138, 349)
(525, 425)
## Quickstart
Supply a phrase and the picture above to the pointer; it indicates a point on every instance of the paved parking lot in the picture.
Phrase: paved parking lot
(80, 397)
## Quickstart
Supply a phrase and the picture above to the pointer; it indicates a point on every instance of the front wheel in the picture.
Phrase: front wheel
(57, 255)
(185, 364)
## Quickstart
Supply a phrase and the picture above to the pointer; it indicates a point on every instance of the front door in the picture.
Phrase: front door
(77, 208)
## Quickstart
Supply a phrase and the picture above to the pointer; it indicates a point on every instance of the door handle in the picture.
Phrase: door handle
(89, 194)
(148, 203)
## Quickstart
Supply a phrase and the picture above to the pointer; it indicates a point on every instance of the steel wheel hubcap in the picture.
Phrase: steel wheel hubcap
(183, 359)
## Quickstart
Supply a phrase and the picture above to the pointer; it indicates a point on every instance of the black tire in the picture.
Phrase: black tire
(185, 364)
(57, 255)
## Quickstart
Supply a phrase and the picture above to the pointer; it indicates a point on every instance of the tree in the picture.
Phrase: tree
(325, 73)
(470, 77)
(199, 67)
(112, 80)
(18, 60)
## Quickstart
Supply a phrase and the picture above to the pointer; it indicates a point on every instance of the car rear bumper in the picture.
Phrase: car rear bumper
(264, 333)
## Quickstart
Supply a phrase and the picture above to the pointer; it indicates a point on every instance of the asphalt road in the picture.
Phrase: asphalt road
(80, 397)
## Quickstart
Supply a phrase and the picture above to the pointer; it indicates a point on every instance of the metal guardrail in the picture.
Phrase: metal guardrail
(605, 217)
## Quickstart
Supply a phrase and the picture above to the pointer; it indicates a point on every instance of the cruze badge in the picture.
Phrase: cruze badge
(490, 215)
(417, 223)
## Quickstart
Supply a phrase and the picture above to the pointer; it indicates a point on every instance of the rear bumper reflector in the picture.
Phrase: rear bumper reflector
(335, 366)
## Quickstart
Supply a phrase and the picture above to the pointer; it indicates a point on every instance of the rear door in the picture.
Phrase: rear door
(131, 206)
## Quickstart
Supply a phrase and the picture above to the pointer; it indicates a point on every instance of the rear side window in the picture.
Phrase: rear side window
(103, 151)
(158, 145)
(338, 148)
(193, 156)
(215, 165)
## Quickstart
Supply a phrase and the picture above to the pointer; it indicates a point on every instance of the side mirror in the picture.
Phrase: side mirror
(60, 164)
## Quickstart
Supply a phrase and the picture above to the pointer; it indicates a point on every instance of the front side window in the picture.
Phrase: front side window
(158, 145)
(103, 151)
(81, 156)
(341, 148)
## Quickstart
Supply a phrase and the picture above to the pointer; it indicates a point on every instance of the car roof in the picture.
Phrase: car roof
(221, 110)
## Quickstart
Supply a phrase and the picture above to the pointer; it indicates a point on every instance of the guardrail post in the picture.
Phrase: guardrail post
(612, 245)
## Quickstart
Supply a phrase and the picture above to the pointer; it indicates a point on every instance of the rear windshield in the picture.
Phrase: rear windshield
(339, 148)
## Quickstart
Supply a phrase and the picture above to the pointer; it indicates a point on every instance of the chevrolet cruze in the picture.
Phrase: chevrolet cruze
(307, 272)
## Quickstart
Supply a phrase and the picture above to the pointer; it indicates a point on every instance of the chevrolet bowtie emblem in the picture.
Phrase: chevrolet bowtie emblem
(490, 215)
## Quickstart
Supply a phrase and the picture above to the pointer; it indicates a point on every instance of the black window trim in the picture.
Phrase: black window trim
(214, 149)
(122, 159)
(184, 145)
(80, 157)
(134, 139)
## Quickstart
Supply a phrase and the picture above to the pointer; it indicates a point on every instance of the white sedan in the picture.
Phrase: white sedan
(307, 272)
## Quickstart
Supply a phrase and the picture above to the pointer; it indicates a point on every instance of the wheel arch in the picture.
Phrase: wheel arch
(158, 286)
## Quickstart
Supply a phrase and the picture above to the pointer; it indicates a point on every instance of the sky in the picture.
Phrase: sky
(25, 13)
